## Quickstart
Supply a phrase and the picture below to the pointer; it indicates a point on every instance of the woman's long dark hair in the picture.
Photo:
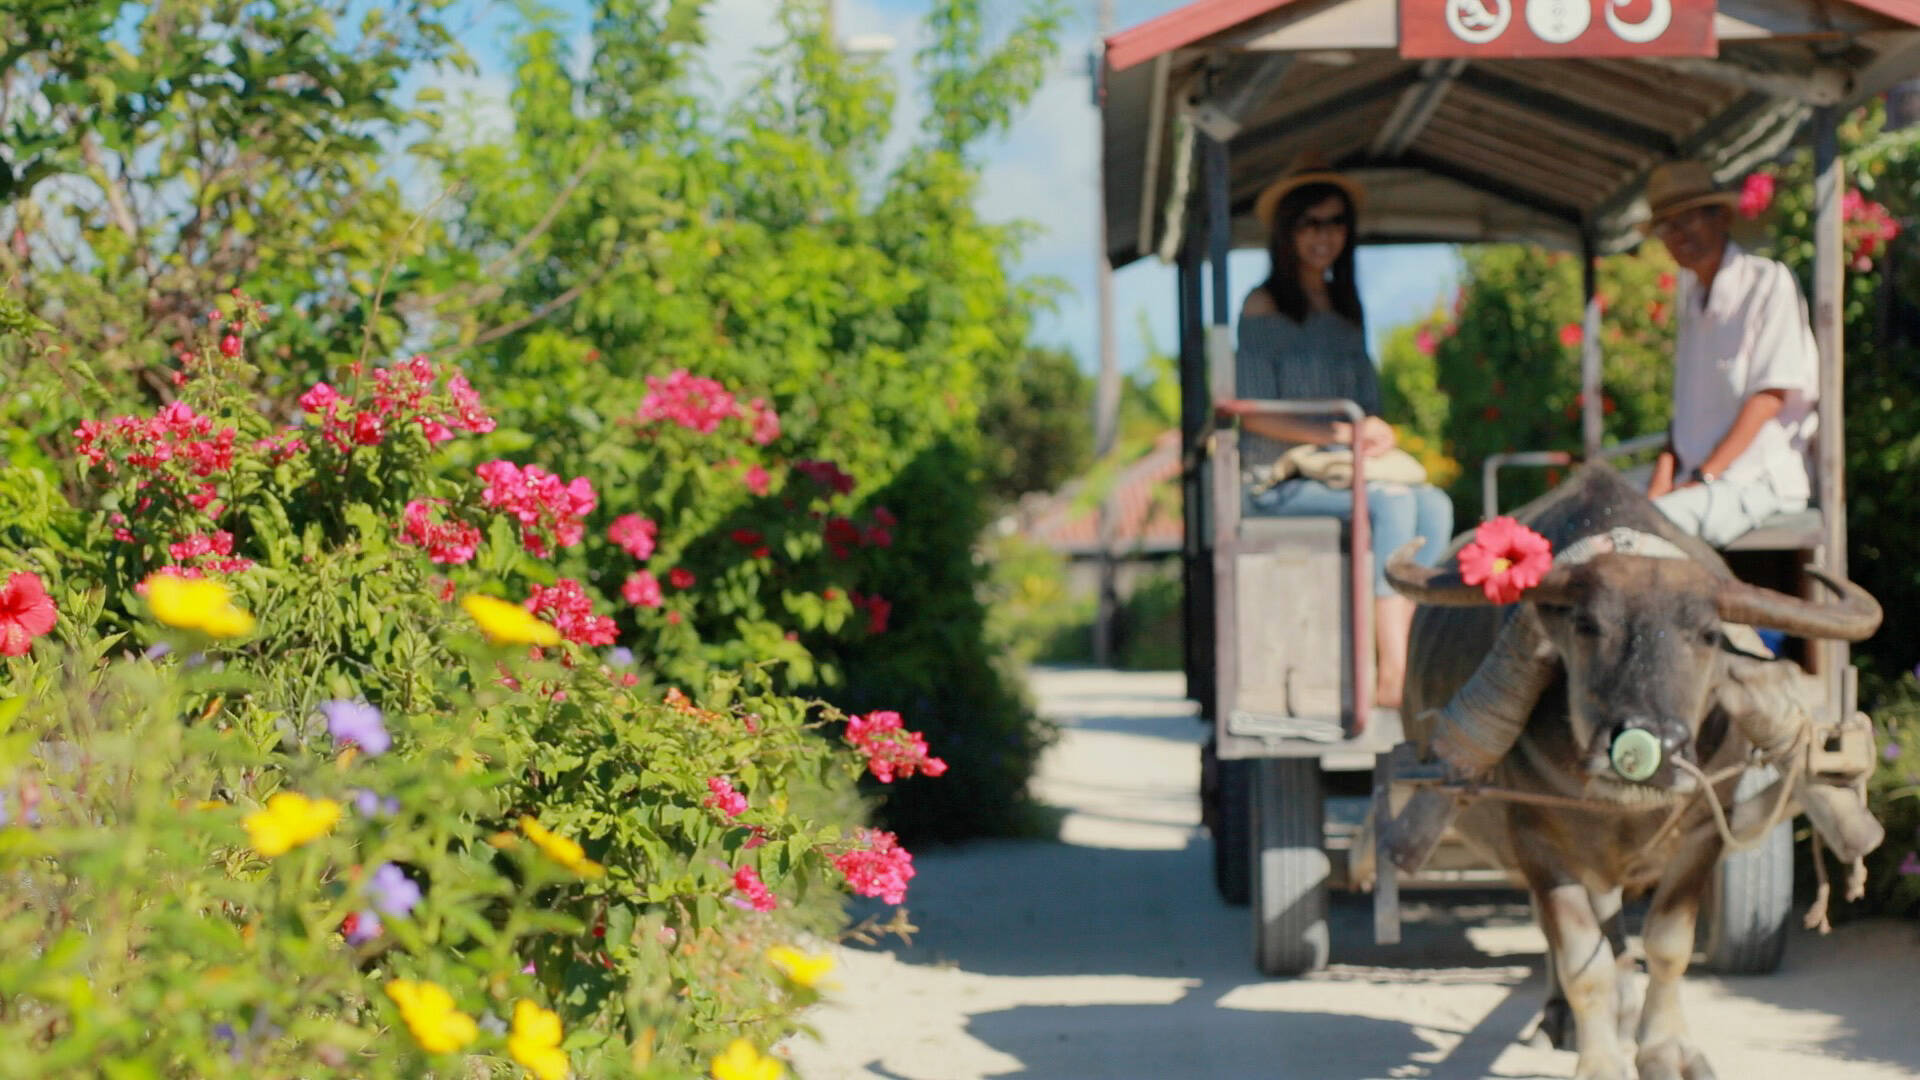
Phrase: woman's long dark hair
(1283, 283)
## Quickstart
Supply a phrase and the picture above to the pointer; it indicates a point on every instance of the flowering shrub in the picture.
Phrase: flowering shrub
(355, 828)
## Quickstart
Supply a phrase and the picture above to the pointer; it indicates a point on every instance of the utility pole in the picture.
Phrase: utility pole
(1106, 395)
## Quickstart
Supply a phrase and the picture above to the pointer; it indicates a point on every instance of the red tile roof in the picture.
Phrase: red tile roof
(1146, 493)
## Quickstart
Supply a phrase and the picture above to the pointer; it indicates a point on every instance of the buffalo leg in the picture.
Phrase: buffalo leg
(1607, 907)
(1666, 1052)
(1585, 965)
(1556, 1016)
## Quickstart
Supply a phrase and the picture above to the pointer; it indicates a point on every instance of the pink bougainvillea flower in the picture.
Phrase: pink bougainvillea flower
(449, 542)
(878, 867)
(723, 798)
(567, 606)
(842, 536)
(688, 400)
(1505, 559)
(1425, 341)
(634, 534)
(1571, 334)
(680, 578)
(757, 480)
(890, 749)
(1756, 194)
(747, 538)
(758, 896)
(765, 422)
(641, 590)
(26, 612)
(551, 513)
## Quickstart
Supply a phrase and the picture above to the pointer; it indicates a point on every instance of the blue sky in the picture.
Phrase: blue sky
(1044, 170)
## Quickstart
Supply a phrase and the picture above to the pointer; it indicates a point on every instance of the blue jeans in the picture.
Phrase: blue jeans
(1397, 514)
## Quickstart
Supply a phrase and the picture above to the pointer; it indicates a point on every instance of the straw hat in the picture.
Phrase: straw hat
(1677, 186)
(1308, 168)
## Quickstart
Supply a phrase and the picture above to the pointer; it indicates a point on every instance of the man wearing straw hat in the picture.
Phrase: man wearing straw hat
(1746, 371)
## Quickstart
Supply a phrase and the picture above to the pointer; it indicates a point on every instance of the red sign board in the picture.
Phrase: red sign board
(1556, 28)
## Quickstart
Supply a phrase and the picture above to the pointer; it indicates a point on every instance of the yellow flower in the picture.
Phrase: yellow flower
(804, 970)
(290, 819)
(505, 623)
(428, 1009)
(743, 1062)
(535, 1041)
(201, 605)
(560, 849)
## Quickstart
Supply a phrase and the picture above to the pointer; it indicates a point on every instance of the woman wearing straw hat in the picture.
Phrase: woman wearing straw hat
(1302, 336)
(1745, 368)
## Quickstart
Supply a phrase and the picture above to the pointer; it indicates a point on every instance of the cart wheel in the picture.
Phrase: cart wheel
(1744, 919)
(1290, 866)
(1232, 825)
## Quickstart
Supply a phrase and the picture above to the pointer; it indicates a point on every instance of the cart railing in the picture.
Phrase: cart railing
(1547, 459)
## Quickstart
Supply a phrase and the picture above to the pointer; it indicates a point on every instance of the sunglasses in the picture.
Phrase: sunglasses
(1320, 224)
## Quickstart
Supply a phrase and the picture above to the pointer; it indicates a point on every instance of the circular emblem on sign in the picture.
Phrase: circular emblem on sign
(1478, 21)
(1646, 29)
(1557, 22)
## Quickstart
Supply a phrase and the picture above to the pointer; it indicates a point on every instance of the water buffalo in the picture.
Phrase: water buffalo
(1629, 632)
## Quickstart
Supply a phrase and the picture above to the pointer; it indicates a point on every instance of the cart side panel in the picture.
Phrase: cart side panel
(1284, 653)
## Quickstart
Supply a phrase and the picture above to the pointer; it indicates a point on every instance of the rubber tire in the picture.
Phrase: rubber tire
(1290, 867)
(1746, 912)
(1232, 832)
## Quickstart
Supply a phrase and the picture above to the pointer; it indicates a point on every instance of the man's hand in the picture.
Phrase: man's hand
(1661, 482)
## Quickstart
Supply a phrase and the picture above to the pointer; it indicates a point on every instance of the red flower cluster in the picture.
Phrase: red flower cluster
(891, 749)
(409, 392)
(1756, 195)
(634, 534)
(641, 589)
(881, 868)
(1505, 559)
(567, 606)
(702, 405)
(680, 577)
(550, 513)
(759, 897)
(26, 612)
(842, 536)
(175, 433)
(1571, 334)
(723, 798)
(449, 541)
(826, 474)
(878, 608)
(1867, 225)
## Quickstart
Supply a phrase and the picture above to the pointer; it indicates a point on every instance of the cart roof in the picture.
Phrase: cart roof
(1530, 150)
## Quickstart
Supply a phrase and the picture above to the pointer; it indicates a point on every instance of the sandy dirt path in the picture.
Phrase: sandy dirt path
(1108, 956)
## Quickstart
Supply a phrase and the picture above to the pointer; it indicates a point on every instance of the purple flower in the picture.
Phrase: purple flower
(370, 804)
(366, 927)
(1890, 751)
(620, 656)
(393, 892)
(158, 650)
(358, 723)
(1910, 866)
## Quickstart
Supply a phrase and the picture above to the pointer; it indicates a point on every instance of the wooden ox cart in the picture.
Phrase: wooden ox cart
(1461, 134)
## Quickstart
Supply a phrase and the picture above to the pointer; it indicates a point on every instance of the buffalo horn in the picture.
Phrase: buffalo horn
(1854, 617)
(1475, 729)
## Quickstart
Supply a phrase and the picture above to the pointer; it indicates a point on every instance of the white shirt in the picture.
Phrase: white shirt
(1751, 335)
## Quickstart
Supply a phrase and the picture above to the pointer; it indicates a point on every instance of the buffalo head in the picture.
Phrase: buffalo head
(1636, 627)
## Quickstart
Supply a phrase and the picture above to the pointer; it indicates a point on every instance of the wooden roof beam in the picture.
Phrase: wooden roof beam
(1241, 88)
(1568, 111)
(1479, 181)
(1417, 105)
(1321, 113)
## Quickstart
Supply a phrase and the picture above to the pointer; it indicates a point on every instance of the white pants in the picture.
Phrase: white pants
(1723, 510)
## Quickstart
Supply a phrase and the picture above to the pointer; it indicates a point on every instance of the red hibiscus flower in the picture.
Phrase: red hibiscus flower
(1571, 334)
(26, 612)
(1505, 559)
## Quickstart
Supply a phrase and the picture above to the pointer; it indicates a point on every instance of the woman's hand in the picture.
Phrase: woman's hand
(1376, 436)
